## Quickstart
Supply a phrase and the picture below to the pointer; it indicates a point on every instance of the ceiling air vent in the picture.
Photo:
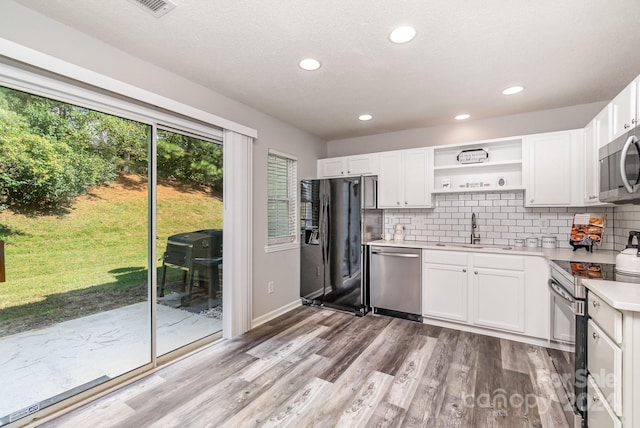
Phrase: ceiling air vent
(156, 8)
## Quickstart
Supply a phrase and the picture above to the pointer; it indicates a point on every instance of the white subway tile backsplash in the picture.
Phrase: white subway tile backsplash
(502, 217)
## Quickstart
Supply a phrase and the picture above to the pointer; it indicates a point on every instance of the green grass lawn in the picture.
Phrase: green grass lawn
(95, 256)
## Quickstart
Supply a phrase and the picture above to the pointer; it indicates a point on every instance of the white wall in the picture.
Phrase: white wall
(30, 29)
(498, 127)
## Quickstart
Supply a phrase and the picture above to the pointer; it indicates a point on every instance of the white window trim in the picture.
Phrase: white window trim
(47, 62)
(289, 245)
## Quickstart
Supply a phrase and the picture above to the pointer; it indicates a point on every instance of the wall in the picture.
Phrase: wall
(505, 126)
(501, 217)
(626, 218)
(19, 24)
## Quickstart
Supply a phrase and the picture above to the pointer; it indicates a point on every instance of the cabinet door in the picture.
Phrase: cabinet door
(333, 167)
(444, 291)
(549, 169)
(389, 180)
(416, 179)
(604, 121)
(591, 176)
(362, 164)
(498, 298)
(624, 110)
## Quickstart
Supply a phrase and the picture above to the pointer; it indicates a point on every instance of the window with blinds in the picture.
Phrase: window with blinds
(282, 198)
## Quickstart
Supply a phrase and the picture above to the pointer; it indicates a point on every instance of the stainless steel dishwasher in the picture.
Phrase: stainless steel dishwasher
(396, 281)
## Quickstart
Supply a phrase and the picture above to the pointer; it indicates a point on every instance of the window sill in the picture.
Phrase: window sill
(281, 247)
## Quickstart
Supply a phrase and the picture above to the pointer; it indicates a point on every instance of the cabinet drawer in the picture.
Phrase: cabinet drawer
(599, 414)
(444, 257)
(607, 318)
(497, 261)
(604, 360)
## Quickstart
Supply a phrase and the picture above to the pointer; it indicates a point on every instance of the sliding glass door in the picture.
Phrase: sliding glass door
(189, 217)
(81, 192)
(74, 203)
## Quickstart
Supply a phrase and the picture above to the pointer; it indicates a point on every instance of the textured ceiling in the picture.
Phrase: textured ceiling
(565, 52)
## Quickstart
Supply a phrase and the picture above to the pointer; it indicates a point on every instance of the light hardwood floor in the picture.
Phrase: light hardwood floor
(318, 368)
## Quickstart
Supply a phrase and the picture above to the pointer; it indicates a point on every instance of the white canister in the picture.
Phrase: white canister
(532, 242)
(518, 242)
(549, 242)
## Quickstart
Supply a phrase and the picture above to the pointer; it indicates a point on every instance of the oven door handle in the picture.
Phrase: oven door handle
(559, 291)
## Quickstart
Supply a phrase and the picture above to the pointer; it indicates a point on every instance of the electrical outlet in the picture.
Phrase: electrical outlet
(270, 287)
(544, 222)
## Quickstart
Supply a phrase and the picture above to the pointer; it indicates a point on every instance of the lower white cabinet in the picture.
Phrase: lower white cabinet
(487, 291)
(445, 291)
(498, 297)
(613, 363)
(600, 413)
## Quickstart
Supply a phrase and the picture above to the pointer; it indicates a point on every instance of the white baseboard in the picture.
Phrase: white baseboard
(276, 313)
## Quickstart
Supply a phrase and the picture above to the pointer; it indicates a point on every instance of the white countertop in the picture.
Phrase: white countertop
(598, 256)
(624, 296)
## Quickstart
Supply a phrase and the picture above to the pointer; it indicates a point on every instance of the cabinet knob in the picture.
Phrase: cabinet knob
(626, 126)
(464, 270)
(398, 203)
(633, 121)
(595, 304)
(595, 398)
(475, 272)
(348, 172)
(531, 200)
(595, 336)
(405, 202)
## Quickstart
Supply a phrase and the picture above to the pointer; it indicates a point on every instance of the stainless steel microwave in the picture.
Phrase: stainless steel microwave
(620, 169)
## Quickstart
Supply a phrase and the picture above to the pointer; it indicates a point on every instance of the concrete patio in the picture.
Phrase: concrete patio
(41, 367)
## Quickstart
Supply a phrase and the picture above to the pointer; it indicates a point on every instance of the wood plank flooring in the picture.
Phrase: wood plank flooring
(318, 368)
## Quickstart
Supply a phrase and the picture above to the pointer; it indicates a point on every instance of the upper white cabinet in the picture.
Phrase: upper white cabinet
(403, 179)
(603, 125)
(597, 133)
(591, 168)
(366, 164)
(624, 107)
(553, 168)
(501, 170)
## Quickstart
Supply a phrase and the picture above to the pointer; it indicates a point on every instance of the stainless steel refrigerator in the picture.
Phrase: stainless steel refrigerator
(338, 217)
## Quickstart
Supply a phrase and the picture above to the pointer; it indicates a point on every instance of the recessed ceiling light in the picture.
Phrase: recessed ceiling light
(513, 90)
(365, 117)
(402, 34)
(462, 117)
(309, 64)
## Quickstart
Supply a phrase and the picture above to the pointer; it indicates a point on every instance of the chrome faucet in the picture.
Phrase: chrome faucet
(475, 239)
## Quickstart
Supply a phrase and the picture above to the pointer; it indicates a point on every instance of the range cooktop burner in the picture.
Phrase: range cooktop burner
(588, 269)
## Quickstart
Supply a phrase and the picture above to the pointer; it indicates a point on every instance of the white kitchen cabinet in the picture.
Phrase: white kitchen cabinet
(554, 168)
(347, 166)
(486, 291)
(445, 291)
(624, 110)
(591, 165)
(403, 179)
(613, 355)
(501, 170)
(498, 297)
(604, 123)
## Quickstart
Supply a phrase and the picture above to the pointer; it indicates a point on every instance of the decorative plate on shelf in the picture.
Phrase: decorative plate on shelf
(473, 156)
